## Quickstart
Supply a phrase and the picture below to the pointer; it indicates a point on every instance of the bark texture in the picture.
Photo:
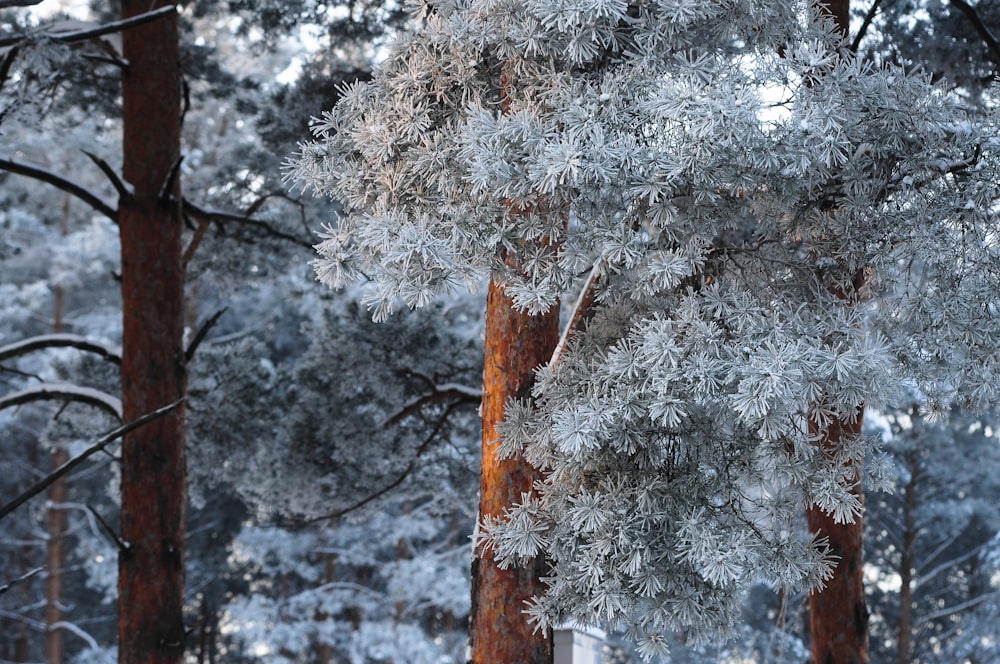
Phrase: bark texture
(515, 345)
(838, 616)
(154, 496)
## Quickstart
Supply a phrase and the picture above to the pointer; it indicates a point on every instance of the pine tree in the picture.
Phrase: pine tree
(725, 172)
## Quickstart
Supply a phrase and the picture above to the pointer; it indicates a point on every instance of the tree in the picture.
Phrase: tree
(724, 174)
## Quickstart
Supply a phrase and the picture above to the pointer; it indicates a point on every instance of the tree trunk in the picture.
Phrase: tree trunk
(516, 344)
(153, 477)
(907, 562)
(838, 616)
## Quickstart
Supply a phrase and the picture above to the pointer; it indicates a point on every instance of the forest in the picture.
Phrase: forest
(433, 332)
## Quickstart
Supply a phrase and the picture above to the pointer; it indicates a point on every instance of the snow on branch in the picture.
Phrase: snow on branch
(64, 392)
(67, 467)
(110, 353)
(89, 33)
(39, 173)
(21, 579)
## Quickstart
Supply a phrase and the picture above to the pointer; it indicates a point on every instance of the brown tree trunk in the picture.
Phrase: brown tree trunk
(154, 492)
(838, 616)
(516, 344)
(908, 557)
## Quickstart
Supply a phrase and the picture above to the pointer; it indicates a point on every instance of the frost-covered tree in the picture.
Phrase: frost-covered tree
(775, 232)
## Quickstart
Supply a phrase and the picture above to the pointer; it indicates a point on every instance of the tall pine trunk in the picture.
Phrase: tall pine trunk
(838, 615)
(153, 478)
(516, 344)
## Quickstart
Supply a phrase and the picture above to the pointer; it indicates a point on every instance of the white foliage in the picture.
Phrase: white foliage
(764, 273)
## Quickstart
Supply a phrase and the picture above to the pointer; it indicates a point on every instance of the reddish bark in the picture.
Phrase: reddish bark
(154, 496)
(516, 344)
(838, 616)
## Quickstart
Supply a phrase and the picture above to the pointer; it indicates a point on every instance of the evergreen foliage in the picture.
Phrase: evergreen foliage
(782, 232)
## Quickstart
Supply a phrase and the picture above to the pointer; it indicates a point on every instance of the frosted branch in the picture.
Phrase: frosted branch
(90, 33)
(64, 392)
(110, 353)
(580, 309)
(21, 579)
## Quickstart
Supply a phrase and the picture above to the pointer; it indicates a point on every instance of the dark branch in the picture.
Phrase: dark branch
(4, 4)
(105, 167)
(70, 465)
(869, 17)
(83, 35)
(21, 579)
(395, 483)
(167, 189)
(6, 63)
(202, 331)
(108, 530)
(64, 392)
(59, 182)
(31, 344)
(452, 393)
(199, 212)
(984, 32)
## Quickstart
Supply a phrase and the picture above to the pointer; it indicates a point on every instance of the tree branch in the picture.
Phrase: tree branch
(21, 579)
(581, 309)
(219, 216)
(99, 446)
(116, 182)
(984, 32)
(25, 346)
(869, 17)
(64, 392)
(108, 530)
(4, 4)
(202, 331)
(458, 393)
(37, 172)
(83, 35)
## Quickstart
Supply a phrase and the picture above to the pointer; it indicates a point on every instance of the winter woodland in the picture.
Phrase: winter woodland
(306, 244)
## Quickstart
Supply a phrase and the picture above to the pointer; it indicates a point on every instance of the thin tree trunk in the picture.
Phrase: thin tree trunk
(55, 517)
(154, 492)
(906, 563)
(516, 344)
(838, 616)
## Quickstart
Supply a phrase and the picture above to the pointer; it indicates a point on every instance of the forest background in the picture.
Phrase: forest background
(332, 462)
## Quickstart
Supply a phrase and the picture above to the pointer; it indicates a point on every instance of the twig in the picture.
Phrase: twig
(200, 334)
(166, 191)
(105, 167)
(869, 17)
(83, 35)
(218, 216)
(107, 529)
(99, 446)
(21, 579)
(580, 310)
(459, 393)
(199, 235)
(991, 41)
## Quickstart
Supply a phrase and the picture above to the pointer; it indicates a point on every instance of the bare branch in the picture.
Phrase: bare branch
(21, 579)
(581, 310)
(83, 35)
(202, 331)
(869, 17)
(108, 530)
(166, 191)
(58, 181)
(4, 4)
(99, 446)
(984, 32)
(116, 182)
(447, 392)
(219, 216)
(18, 348)
(64, 392)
